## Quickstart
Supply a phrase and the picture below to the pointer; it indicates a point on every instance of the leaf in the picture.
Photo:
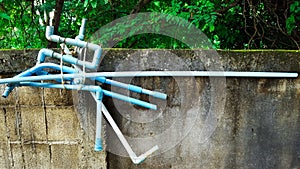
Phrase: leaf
(4, 15)
(94, 4)
(290, 24)
(157, 3)
(211, 28)
(85, 3)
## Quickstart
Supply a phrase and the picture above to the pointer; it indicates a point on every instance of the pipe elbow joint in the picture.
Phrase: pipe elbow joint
(50, 36)
(42, 55)
(80, 37)
(49, 32)
(138, 160)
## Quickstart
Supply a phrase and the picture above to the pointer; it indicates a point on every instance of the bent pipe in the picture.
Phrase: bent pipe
(91, 89)
(27, 77)
(101, 79)
(134, 158)
(43, 53)
(37, 68)
(75, 42)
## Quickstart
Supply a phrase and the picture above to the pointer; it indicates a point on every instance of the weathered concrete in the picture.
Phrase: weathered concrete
(39, 128)
(259, 127)
(236, 122)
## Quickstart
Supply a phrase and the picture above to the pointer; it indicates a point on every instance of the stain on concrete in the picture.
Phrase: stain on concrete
(258, 126)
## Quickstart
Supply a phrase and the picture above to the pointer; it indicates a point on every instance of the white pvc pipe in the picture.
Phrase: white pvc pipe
(135, 159)
(153, 73)
(196, 73)
(98, 138)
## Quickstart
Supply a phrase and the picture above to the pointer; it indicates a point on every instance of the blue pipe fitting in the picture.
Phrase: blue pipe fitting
(101, 79)
(98, 144)
(136, 89)
(7, 90)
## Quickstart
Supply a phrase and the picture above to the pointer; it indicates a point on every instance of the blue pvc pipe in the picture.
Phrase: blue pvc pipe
(29, 72)
(136, 89)
(98, 139)
(67, 77)
(76, 42)
(130, 100)
(129, 87)
(43, 53)
(91, 89)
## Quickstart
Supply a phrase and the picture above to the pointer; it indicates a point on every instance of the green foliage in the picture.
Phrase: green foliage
(4, 16)
(21, 28)
(293, 18)
(228, 24)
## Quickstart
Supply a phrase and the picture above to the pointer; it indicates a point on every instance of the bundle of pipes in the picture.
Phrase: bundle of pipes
(73, 78)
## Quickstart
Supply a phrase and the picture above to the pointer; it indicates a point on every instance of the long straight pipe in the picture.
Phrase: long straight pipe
(91, 89)
(98, 139)
(93, 76)
(195, 73)
(102, 75)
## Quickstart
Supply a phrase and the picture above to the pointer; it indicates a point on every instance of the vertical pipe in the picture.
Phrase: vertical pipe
(118, 132)
(81, 30)
(98, 139)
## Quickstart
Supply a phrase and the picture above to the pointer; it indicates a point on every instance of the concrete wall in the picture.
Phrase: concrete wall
(244, 123)
(205, 122)
(39, 128)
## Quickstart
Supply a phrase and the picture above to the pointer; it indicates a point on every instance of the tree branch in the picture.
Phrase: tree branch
(224, 10)
(56, 21)
(140, 5)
